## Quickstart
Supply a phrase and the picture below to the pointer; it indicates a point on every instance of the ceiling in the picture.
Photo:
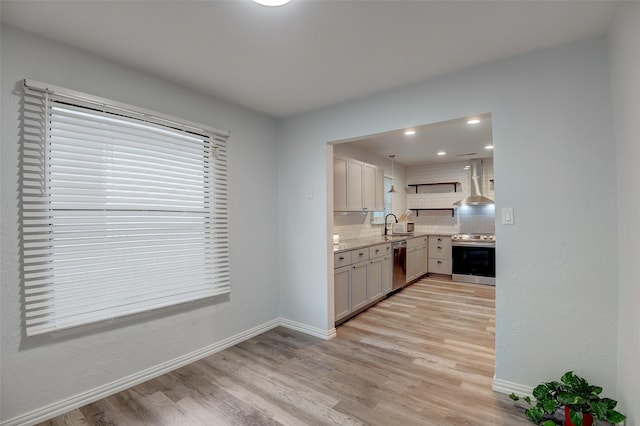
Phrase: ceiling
(458, 139)
(308, 54)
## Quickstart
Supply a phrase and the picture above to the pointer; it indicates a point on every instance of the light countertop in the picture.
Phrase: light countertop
(357, 243)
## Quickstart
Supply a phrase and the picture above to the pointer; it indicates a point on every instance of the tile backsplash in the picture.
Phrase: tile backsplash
(352, 225)
(477, 219)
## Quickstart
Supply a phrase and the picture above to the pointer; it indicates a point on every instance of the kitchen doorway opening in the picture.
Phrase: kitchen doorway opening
(438, 171)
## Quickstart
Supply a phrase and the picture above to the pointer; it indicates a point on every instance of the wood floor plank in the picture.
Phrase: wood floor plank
(424, 356)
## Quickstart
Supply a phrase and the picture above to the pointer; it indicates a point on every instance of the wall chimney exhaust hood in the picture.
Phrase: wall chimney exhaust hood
(475, 198)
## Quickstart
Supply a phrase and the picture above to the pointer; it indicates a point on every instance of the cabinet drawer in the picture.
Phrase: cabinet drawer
(440, 247)
(360, 255)
(417, 242)
(379, 250)
(341, 259)
(440, 266)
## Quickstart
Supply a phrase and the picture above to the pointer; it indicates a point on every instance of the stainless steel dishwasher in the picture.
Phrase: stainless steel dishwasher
(399, 264)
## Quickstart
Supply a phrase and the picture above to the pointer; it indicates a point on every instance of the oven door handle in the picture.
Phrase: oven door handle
(487, 244)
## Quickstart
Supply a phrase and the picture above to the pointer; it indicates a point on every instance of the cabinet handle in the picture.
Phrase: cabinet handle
(360, 254)
(341, 258)
(439, 239)
(377, 250)
(439, 248)
(439, 261)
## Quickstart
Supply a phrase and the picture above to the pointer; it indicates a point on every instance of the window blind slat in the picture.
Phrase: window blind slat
(124, 211)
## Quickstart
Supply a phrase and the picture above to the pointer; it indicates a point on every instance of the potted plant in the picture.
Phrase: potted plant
(582, 403)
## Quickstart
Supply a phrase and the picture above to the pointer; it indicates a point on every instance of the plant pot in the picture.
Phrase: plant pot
(587, 419)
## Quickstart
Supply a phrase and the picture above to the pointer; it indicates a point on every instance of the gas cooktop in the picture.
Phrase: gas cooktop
(473, 237)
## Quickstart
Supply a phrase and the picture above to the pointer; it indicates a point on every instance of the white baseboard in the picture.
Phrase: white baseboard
(503, 386)
(84, 398)
(307, 329)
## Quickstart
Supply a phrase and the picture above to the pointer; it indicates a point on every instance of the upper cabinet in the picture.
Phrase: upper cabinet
(340, 184)
(357, 186)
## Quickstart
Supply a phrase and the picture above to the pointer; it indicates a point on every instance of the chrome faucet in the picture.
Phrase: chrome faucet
(385, 221)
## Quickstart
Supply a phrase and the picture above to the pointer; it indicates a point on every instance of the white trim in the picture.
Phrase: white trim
(307, 329)
(57, 408)
(503, 386)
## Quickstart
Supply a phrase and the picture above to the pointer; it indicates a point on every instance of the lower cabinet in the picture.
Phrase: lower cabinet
(416, 258)
(440, 254)
(342, 291)
(363, 282)
(387, 274)
(375, 278)
(359, 284)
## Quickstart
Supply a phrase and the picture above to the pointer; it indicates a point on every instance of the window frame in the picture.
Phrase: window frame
(42, 299)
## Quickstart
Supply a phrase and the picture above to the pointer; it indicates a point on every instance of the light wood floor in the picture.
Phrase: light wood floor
(421, 357)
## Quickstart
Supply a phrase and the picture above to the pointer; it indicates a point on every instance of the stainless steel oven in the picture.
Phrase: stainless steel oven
(474, 258)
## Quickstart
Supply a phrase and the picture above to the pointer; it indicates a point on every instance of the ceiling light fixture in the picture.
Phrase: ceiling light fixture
(392, 190)
(488, 147)
(473, 121)
(442, 153)
(409, 132)
(272, 2)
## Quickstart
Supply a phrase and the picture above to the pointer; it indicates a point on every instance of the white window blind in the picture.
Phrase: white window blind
(124, 210)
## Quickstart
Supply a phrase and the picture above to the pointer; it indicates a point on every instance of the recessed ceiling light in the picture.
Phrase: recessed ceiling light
(488, 147)
(410, 132)
(473, 121)
(272, 2)
(442, 153)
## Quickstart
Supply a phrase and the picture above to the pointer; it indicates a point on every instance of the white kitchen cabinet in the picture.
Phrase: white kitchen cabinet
(357, 186)
(416, 258)
(342, 291)
(380, 264)
(387, 273)
(379, 205)
(439, 254)
(375, 278)
(355, 171)
(359, 284)
(369, 187)
(361, 278)
(340, 184)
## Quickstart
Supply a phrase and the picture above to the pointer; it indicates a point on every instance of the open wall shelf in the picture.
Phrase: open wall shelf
(454, 184)
(439, 209)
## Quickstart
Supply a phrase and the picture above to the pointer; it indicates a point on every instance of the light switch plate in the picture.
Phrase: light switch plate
(507, 216)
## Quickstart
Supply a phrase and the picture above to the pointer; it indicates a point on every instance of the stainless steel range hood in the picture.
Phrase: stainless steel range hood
(475, 198)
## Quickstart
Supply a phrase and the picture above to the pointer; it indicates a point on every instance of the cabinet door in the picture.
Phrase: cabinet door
(375, 278)
(387, 274)
(339, 184)
(421, 260)
(369, 187)
(379, 190)
(412, 264)
(359, 276)
(341, 290)
(354, 185)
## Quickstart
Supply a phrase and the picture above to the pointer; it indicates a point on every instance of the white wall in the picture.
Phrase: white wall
(625, 78)
(40, 370)
(557, 270)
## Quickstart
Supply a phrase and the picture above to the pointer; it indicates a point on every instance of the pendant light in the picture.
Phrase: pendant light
(392, 190)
